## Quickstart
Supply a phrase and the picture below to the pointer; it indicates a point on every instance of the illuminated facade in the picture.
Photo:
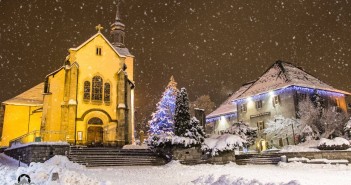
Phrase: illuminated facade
(87, 101)
(277, 92)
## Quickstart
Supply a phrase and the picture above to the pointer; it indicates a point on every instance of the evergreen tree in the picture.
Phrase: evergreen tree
(163, 118)
(244, 131)
(195, 130)
(182, 115)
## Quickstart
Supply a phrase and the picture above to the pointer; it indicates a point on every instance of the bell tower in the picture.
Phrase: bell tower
(117, 29)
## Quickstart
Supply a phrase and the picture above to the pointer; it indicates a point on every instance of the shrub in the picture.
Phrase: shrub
(337, 143)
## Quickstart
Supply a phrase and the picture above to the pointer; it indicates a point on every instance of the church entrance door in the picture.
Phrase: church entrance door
(95, 136)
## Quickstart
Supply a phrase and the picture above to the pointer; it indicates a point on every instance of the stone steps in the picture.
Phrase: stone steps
(95, 157)
(257, 159)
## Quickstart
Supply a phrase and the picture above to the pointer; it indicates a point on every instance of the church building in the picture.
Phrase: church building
(89, 100)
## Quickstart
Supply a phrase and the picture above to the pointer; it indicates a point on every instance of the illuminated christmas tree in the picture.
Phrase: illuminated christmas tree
(162, 118)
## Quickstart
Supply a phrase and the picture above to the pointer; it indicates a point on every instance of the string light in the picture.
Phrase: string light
(286, 90)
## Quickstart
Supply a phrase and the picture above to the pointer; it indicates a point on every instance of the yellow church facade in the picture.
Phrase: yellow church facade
(87, 101)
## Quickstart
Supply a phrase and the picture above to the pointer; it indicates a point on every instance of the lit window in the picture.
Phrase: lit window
(86, 90)
(259, 104)
(243, 107)
(97, 89)
(98, 51)
(260, 125)
(276, 100)
(107, 92)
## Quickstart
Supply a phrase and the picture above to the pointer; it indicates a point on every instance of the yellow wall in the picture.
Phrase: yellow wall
(19, 120)
(52, 102)
(89, 64)
(105, 66)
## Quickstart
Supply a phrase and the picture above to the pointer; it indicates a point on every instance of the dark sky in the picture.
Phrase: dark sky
(211, 47)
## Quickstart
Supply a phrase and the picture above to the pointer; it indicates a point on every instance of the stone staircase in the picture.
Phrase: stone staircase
(262, 159)
(103, 156)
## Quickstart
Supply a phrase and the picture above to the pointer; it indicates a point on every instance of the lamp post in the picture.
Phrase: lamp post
(292, 127)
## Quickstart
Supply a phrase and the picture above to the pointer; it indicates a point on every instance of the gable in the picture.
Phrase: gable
(121, 52)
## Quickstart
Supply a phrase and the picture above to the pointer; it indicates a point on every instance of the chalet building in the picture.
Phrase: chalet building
(277, 92)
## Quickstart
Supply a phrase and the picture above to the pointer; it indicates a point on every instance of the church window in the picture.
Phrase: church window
(107, 92)
(98, 51)
(86, 90)
(97, 88)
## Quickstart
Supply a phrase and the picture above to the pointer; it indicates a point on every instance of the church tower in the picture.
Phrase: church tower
(117, 30)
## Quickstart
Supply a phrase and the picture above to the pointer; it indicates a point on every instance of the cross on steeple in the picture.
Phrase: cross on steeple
(118, 15)
(99, 28)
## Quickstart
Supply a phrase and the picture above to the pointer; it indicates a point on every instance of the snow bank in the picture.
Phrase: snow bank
(41, 173)
(335, 141)
(165, 138)
(308, 146)
(229, 180)
(225, 142)
(19, 145)
(135, 147)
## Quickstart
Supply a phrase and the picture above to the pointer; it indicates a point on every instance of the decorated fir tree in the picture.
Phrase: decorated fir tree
(162, 118)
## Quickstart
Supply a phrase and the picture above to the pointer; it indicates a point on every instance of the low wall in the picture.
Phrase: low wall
(195, 155)
(326, 154)
(37, 152)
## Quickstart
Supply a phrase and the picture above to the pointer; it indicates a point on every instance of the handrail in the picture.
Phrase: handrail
(42, 135)
(24, 135)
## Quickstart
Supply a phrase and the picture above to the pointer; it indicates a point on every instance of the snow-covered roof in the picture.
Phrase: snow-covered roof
(31, 97)
(227, 107)
(282, 74)
(122, 52)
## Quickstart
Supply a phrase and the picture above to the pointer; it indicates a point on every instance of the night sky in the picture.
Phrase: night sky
(211, 47)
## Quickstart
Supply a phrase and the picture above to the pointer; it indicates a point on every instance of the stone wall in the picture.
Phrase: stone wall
(195, 155)
(37, 152)
(331, 155)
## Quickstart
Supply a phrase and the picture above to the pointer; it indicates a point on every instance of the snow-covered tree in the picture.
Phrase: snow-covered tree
(281, 127)
(347, 129)
(244, 131)
(163, 117)
(195, 130)
(182, 115)
(332, 123)
(324, 121)
(309, 116)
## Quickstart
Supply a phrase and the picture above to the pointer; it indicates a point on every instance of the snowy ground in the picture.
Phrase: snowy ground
(175, 173)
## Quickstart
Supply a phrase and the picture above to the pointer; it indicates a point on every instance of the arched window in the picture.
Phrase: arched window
(97, 88)
(95, 121)
(86, 90)
(107, 92)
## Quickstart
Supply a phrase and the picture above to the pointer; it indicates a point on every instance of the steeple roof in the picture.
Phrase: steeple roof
(283, 74)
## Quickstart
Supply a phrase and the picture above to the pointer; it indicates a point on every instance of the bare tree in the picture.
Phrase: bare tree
(203, 102)
(325, 122)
